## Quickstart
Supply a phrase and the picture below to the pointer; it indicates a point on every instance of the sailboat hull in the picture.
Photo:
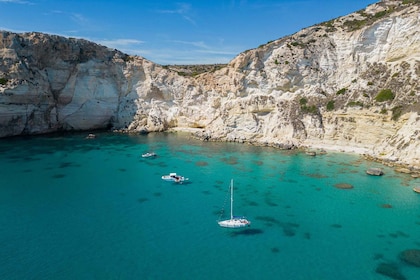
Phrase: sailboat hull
(235, 223)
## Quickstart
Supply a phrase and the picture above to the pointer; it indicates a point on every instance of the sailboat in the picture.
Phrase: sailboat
(234, 221)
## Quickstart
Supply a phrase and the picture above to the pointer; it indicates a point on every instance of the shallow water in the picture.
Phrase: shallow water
(75, 208)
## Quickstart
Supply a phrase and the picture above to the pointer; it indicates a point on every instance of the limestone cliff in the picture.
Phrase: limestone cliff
(351, 84)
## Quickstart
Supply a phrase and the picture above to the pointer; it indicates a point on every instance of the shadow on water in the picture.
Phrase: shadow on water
(188, 182)
(289, 228)
(248, 231)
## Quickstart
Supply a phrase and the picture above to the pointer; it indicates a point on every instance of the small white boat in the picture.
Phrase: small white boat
(416, 189)
(173, 177)
(234, 221)
(147, 155)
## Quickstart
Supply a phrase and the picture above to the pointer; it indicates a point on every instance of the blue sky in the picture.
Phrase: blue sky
(174, 32)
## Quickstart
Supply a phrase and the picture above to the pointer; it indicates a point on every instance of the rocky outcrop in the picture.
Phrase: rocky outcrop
(349, 84)
(51, 83)
(411, 256)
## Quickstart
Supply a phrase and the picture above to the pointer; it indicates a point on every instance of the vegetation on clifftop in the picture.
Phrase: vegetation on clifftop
(194, 70)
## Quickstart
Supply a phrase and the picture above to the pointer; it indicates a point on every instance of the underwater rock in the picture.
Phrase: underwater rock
(386, 205)
(390, 270)
(375, 172)
(343, 186)
(411, 256)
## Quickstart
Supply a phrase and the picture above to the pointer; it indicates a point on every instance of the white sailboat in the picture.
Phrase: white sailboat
(234, 221)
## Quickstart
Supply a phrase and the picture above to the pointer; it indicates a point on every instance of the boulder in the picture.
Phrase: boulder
(390, 270)
(375, 172)
(343, 186)
(411, 256)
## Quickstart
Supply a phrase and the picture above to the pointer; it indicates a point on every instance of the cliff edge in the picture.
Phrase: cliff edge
(349, 84)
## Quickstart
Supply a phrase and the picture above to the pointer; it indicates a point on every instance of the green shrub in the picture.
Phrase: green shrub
(330, 105)
(380, 14)
(353, 25)
(405, 2)
(384, 95)
(329, 23)
(127, 58)
(355, 104)
(396, 112)
(181, 73)
(310, 109)
(3, 81)
(341, 91)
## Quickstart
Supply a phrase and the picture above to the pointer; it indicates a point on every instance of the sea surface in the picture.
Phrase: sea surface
(76, 208)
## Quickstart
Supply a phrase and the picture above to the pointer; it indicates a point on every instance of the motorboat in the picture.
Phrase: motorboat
(416, 189)
(173, 177)
(148, 154)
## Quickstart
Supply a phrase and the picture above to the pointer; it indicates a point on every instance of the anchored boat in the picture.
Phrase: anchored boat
(234, 221)
(173, 177)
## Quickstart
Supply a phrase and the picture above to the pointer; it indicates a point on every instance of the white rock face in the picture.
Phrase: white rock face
(316, 88)
(315, 65)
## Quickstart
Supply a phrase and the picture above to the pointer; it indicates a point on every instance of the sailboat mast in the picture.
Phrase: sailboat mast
(231, 199)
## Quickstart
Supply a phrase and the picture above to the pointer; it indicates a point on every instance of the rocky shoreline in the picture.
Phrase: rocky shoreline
(413, 171)
(398, 167)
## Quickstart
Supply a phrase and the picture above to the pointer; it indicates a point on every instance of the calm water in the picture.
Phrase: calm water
(73, 208)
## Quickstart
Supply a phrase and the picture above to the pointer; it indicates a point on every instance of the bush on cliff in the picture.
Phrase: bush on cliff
(330, 105)
(3, 81)
(385, 95)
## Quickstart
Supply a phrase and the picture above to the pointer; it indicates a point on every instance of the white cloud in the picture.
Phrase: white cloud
(175, 56)
(220, 52)
(199, 44)
(183, 10)
(79, 19)
(189, 19)
(11, 29)
(119, 43)
(16, 2)
(56, 12)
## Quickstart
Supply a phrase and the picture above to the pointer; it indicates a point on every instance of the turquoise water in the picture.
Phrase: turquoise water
(73, 208)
